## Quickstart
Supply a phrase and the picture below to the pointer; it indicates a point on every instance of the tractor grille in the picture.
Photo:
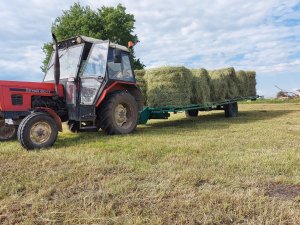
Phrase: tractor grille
(17, 99)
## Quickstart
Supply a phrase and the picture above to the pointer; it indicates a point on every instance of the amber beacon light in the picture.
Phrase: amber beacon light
(130, 44)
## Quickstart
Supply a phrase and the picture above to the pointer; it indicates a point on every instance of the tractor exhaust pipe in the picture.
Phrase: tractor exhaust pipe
(56, 65)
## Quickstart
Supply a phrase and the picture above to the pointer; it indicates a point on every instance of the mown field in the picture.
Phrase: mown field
(208, 170)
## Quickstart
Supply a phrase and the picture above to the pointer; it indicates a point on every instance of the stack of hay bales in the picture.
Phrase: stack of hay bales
(179, 86)
(251, 75)
(200, 86)
(242, 83)
(169, 86)
(141, 82)
(223, 84)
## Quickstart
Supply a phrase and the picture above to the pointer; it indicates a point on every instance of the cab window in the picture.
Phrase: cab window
(69, 60)
(119, 71)
(96, 64)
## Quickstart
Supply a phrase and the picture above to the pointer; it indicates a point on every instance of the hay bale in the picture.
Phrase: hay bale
(232, 80)
(218, 86)
(141, 82)
(242, 83)
(200, 86)
(251, 75)
(168, 86)
(223, 84)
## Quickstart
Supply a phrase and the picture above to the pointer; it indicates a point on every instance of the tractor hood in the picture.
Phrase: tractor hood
(16, 95)
(30, 87)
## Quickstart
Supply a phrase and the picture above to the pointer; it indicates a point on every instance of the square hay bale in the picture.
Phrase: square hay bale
(200, 86)
(251, 75)
(169, 86)
(223, 84)
(242, 83)
(141, 82)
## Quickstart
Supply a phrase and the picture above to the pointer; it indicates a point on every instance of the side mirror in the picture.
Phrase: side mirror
(117, 56)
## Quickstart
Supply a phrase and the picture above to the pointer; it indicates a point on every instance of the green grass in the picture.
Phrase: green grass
(272, 101)
(208, 170)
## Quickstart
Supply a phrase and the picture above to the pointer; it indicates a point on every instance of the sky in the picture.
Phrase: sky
(252, 35)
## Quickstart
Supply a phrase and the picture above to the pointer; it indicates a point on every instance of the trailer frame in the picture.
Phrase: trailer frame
(164, 112)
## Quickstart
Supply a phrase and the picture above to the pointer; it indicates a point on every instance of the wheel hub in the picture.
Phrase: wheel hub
(120, 115)
(40, 132)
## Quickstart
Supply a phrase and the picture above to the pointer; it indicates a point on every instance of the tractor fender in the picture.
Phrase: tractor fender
(119, 86)
(52, 113)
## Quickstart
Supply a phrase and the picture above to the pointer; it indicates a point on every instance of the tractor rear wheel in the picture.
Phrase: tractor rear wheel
(231, 110)
(37, 130)
(7, 132)
(118, 114)
(191, 113)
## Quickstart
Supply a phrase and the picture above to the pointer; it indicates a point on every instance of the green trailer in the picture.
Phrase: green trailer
(229, 106)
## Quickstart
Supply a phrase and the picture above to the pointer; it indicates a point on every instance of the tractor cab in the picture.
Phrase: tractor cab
(89, 84)
(87, 67)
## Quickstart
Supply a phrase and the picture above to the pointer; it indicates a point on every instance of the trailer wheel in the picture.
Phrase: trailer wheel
(118, 114)
(231, 110)
(37, 130)
(7, 132)
(191, 113)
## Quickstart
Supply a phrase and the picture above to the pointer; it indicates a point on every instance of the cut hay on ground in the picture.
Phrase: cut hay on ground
(223, 84)
(140, 80)
(200, 86)
(242, 83)
(168, 86)
(251, 75)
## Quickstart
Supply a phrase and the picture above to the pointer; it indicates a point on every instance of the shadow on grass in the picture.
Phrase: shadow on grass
(218, 120)
(75, 139)
(205, 122)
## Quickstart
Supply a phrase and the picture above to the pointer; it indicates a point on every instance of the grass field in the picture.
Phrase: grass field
(208, 170)
(272, 101)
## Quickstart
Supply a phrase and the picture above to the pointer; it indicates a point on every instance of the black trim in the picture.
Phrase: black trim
(18, 89)
(15, 115)
(29, 90)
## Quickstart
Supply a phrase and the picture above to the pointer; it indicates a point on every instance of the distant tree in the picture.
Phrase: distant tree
(111, 23)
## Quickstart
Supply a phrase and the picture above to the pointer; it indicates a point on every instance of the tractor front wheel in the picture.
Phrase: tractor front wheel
(7, 132)
(118, 114)
(37, 130)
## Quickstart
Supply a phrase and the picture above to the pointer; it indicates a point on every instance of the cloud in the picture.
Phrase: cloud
(219, 32)
(259, 35)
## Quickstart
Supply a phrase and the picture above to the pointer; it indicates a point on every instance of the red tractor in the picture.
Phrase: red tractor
(90, 84)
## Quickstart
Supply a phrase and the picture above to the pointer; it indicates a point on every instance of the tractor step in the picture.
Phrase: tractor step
(89, 128)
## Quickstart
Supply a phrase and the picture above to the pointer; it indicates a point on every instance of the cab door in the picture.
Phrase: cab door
(91, 80)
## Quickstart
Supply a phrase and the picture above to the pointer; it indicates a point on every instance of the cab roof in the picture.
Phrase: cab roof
(75, 40)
